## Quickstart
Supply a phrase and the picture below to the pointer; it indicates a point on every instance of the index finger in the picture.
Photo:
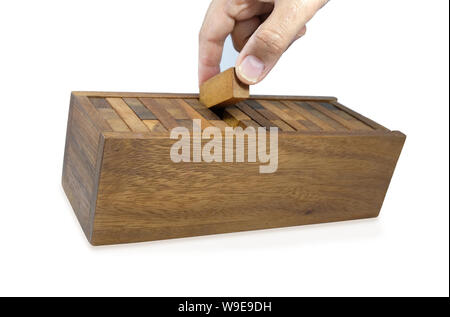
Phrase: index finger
(216, 27)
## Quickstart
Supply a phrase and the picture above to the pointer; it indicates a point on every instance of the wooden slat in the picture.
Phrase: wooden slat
(158, 109)
(88, 108)
(350, 123)
(307, 114)
(219, 123)
(84, 135)
(358, 116)
(292, 98)
(99, 103)
(151, 124)
(310, 126)
(192, 113)
(141, 111)
(269, 115)
(154, 125)
(118, 125)
(108, 113)
(270, 105)
(282, 125)
(236, 113)
(207, 113)
(339, 112)
(193, 96)
(150, 134)
(234, 117)
(248, 123)
(335, 124)
(113, 119)
(187, 123)
(128, 115)
(173, 108)
(257, 117)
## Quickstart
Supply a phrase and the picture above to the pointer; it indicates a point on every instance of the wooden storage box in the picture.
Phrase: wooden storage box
(333, 165)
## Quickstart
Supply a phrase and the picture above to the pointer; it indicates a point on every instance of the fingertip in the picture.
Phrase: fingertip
(250, 70)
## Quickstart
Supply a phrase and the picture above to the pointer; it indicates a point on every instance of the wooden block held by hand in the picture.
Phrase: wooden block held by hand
(223, 89)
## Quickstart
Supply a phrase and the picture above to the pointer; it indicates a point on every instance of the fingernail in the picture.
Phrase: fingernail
(251, 68)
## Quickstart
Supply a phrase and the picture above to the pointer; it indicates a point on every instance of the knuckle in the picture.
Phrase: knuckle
(231, 4)
(301, 32)
(235, 8)
(271, 41)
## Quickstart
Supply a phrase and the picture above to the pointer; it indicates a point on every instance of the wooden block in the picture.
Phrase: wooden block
(219, 123)
(256, 116)
(269, 115)
(223, 89)
(124, 187)
(282, 125)
(173, 108)
(305, 112)
(204, 111)
(339, 116)
(185, 123)
(192, 113)
(156, 107)
(289, 118)
(338, 126)
(141, 111)
(113, 119)
(127, 114)
(118, 125)
(248, 123)
(234, 117)
(154, 125)
(358, 116)
(99, 103)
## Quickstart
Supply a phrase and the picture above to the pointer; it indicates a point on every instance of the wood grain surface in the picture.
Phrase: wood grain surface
(223, 89)
(334, 164)
(84, 147)
(319, 179)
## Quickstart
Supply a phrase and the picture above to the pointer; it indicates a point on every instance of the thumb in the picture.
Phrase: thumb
(273, 37)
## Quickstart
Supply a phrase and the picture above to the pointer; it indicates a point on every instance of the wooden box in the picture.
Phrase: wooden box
(333, 165)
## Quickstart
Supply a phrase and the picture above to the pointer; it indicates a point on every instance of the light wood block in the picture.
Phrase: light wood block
(333, 164)
(223, 89)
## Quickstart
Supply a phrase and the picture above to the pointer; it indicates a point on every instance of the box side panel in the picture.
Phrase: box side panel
(144, 196)
(80, 169)
(399, 139)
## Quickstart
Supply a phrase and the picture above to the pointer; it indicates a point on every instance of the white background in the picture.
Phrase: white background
(385, 59)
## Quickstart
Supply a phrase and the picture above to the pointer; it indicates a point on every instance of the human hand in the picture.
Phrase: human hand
(261, 31)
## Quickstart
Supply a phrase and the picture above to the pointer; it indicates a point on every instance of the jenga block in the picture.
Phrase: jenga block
(223, 89)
